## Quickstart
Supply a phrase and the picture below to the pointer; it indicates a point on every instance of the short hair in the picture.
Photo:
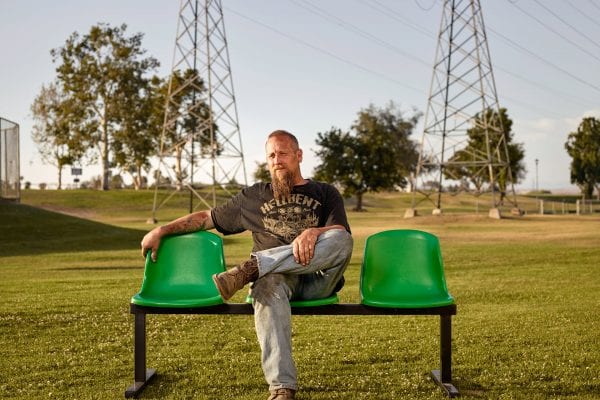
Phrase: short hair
(281, 132)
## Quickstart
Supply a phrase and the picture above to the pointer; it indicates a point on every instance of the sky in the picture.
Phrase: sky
(307, 66)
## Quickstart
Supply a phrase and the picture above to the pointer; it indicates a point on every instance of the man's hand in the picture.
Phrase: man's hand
(304, 245)
(150, 242)
(198, 221)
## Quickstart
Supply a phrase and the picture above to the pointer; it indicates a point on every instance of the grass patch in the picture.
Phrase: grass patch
(527, 324)
(31, 230)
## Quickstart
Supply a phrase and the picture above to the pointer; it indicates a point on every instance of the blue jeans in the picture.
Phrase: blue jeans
(280, 280)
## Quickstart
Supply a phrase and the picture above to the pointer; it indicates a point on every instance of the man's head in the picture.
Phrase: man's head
(283, 159)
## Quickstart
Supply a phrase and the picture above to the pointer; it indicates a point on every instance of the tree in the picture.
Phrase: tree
(583, 146)
(262, 173)
(100, 72)
(377, 154)
(53, 131)
(137, 137)
(476, 149)
(188, 120)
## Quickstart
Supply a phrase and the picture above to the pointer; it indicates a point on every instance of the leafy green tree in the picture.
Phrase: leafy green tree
(53, 131)
(101, 71)
(137, 137)
(262, 174)
(377, 154)
(475, 149)
(187, 117)
(583, 146)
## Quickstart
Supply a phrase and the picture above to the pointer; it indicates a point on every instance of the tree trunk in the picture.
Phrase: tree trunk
(105, 165)
(135, 181)
(178, 170)
(589, 190)
(138, 182)
(359, 202)
(140, 176)
(60, 168)
(104, 153)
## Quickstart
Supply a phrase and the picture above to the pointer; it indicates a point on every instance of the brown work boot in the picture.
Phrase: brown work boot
(282, 394)
(232, 280)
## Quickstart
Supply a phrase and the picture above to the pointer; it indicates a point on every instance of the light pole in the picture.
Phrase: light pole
(537, 186)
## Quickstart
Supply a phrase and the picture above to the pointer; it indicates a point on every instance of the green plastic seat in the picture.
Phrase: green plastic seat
(403, 269)
(333, 299)
(182, 273)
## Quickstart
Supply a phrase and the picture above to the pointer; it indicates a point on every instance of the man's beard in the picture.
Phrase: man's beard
(282, 185)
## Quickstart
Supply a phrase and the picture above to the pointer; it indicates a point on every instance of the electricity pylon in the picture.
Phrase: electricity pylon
(463, 137)
(201, 139)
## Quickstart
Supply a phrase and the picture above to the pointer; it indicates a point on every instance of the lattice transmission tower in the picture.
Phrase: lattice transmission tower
(464, 140)
(201, 147)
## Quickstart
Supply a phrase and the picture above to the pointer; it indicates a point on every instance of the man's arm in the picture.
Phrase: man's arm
(304, 244)
(198, 221)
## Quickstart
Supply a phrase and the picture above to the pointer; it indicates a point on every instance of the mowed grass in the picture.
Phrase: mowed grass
(528, 325)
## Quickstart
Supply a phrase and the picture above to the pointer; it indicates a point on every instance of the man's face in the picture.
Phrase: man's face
(283, 158)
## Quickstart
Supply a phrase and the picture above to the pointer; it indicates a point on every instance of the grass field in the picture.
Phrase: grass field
(528, 323)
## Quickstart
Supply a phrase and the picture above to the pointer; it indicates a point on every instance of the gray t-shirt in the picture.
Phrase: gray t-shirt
(274, 223)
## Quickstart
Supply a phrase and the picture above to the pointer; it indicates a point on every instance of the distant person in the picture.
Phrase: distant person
(302, 246)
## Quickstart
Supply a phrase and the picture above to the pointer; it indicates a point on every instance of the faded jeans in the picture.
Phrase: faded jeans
(280, 280)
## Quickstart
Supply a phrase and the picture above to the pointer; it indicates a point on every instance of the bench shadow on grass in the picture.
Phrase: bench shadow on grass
(176, 384)
(27, 230)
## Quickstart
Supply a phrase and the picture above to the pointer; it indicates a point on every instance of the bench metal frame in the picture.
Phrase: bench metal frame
(442, 377)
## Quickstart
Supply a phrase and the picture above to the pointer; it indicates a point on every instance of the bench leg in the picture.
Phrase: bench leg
(142, 377)
(444, 377)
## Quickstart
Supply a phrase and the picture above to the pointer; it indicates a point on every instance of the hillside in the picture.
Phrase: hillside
(28, 230)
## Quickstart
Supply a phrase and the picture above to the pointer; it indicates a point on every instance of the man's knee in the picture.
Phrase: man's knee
(341, 239)
(270, 288)
(339, 235)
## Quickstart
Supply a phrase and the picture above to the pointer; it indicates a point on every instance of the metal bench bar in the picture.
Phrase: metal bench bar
(442, 377)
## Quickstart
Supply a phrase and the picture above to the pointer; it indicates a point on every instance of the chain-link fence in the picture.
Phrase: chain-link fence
(10, 180)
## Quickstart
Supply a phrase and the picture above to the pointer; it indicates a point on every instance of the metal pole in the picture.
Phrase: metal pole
(194, 92)
(537, 184)
(446, 347)
(140, 348)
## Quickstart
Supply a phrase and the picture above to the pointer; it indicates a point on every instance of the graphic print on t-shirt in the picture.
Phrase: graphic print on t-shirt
(287, 219)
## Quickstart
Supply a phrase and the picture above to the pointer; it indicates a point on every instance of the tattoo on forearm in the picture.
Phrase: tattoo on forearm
(189, 223)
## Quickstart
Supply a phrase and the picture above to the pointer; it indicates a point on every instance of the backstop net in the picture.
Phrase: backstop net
(10, 180)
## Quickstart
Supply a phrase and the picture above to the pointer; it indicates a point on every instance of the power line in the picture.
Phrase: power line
(542, 112)
(594, 21)
(543, 60)
(394, 15)
(355, 29)
(348, 26)
(539, 21)
(594, 4)
(566, 23)
(323, 51)
(391, 13)
(580, 100)
(425, 8)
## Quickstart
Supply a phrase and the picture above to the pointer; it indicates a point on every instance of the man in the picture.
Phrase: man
(302, 246)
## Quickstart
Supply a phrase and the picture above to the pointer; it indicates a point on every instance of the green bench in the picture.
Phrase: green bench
(401, 274)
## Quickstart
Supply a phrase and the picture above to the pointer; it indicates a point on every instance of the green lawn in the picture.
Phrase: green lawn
(528, 323)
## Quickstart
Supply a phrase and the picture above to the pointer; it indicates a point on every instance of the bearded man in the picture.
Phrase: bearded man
(302, 246)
